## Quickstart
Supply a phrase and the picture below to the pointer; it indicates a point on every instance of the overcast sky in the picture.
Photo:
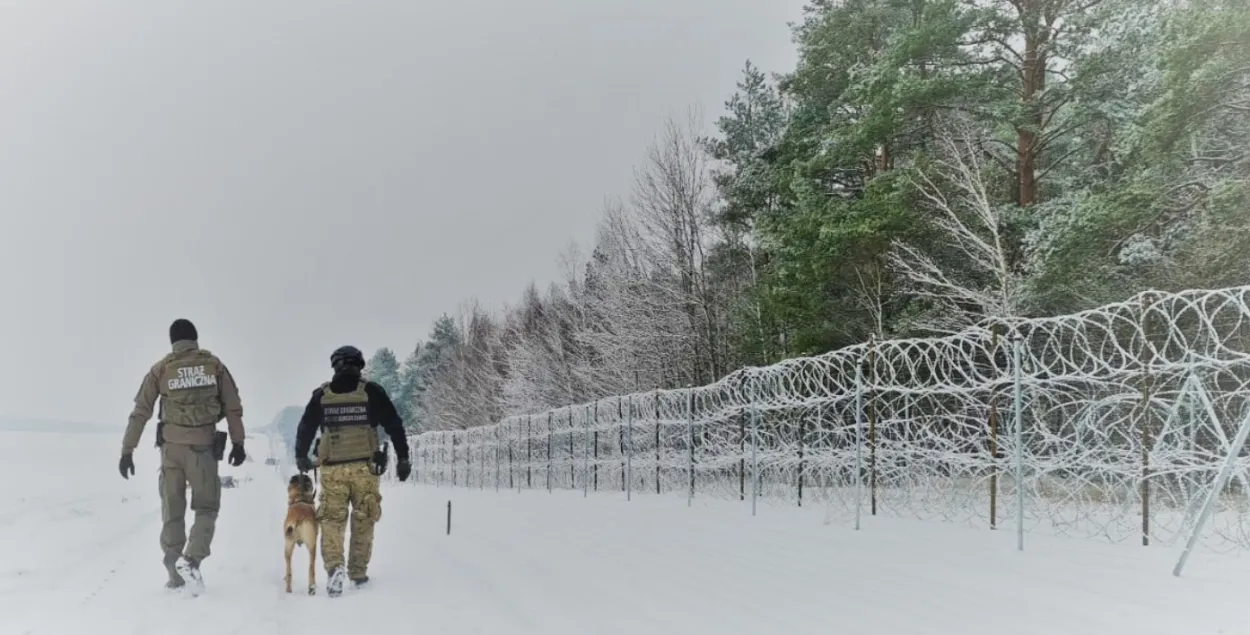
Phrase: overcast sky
(293, 176)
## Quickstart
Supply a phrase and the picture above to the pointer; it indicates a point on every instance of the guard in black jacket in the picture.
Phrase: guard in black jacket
(348, 411)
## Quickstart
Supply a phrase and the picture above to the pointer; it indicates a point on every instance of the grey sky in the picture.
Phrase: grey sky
(294, 176)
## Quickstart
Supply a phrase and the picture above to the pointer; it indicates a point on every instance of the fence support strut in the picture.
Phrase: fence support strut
(1221, 480)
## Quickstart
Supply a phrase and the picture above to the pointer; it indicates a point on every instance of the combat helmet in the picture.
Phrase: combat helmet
(345, 357)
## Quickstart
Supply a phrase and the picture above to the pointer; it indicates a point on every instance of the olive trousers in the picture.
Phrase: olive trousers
(183, 465)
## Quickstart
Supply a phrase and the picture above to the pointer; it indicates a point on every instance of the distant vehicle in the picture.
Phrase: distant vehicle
(271, 461)
(228, 481)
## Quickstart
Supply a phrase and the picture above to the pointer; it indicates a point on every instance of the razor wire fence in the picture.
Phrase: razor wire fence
(1127, 412)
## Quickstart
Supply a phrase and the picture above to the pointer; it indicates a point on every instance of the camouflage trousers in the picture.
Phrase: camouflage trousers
(341, 485)
(183, 465)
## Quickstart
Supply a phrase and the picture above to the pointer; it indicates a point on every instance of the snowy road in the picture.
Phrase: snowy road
(80, 555)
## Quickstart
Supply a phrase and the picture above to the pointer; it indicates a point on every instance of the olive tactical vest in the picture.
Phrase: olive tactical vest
(347, 427)
(188, 389)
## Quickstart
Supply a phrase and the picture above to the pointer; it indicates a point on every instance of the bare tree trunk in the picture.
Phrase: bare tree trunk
(1033, 82)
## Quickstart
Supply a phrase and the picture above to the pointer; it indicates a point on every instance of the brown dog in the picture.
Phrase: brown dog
(300, 527)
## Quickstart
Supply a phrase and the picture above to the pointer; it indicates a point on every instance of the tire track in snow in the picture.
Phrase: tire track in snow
(561, 599)
(96, 551)
(243, 591)
(25, 510)
(83, 578)
(665, 561)
(481, 581)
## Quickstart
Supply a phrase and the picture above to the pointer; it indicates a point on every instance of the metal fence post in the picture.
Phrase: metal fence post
(595, 444)
(690, 424)
(586, 459)
(859, 442)
(1018, 347)
(755, 449)
(629, 456)
(657, 440)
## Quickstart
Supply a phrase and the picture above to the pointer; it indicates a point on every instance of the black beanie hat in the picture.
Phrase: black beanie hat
(182, 330)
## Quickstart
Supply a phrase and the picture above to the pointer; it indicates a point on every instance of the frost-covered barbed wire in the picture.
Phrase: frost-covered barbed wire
(1128, 410)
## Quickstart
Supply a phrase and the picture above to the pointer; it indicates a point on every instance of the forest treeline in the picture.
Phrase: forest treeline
(926, 164)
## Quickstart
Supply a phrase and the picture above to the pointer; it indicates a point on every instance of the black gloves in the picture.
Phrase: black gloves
(237, 455)
(127, 463)
(379, 463)
(304, 464)
(402, 469)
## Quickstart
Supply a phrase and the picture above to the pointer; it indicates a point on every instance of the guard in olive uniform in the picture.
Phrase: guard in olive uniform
(348, 410)
(196, 392)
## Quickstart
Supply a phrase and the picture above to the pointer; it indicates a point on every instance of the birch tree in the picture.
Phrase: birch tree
(978, 276)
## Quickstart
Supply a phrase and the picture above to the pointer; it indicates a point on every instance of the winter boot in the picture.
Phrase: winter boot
(360, 582)
(334, 586)
(175, 581)
(190, 569)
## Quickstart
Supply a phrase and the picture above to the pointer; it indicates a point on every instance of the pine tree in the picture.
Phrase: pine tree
(383, 369)
(1101, 144)
(410, 387)
(433, 365)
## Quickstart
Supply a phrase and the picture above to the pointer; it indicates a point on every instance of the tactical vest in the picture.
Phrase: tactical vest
(188, 387)
(347, 431)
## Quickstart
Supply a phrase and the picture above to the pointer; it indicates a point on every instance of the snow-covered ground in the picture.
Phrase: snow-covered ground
(79, 554)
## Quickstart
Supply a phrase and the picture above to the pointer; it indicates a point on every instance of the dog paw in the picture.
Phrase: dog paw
(312, 590)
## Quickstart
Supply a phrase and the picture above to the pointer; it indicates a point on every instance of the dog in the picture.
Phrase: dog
(300, 526)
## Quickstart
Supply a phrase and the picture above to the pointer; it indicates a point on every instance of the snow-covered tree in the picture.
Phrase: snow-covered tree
(926, 164)
(983, 278)
(410, 386)
(383, 369)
